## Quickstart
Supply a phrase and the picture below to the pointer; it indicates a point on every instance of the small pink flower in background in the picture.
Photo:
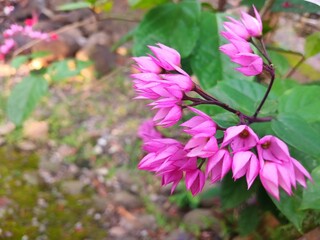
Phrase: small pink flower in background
(218, 165)
(7, 10)
(147, 131)
(252, 25)
(6, 47)
(245, 163)
(195, 180)
(240, 138)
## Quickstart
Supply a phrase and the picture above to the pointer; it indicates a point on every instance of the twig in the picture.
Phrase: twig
(295, 67)
(266, 7)
(270, 69)
(67, 28)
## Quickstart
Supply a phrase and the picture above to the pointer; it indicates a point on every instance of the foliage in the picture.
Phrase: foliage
(26, 95)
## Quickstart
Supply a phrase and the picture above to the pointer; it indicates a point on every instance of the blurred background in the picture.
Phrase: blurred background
(69, 154)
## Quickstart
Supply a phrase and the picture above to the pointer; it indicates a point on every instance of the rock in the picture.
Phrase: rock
(103, 59)
(127, 200)
(72, 187)
(100, 203)
(7, 128)
(200, 219)
(26, 146)
(312, 235)
(31, 177)
(2, 141)
(180, 235)
(49, 165)
(117, 231)
(36, 130)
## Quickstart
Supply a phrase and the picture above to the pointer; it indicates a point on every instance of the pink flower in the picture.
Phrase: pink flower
(252, 25)
(160, 150)
(218, 165)
(235, 29)
(271, 148)
(240, 138)
(251, 64)
(147, 131)
(245, 163)
(166, 57)
(202, 146)
(195, 180)
(200, 124)
(173, 177)
(147, 64)
(182, 80)
(169, 111)
(278, 168)
(300, 173)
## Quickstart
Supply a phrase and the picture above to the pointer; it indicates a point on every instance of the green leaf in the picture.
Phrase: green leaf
(234, 193)
(289, 206)
(225, 119)
(25, 96)
(280, 62)
(282, 85)
(312, 45)
(298, 6)
(298, 133)
(63, 69)
(175, 25)
(39, 54)
(303, 101)
(208, 63)
(249, 220)
(19, 60)
(74, 6)
(145, 3)
(242, 95)
(311, 195)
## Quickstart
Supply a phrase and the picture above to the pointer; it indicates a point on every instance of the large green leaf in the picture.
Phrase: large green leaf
(63, 69)
(312, 45)
(25, 96)
(282, 85)
(303, 101)
(208, 63)
(243, 95)
(289, 206)
(145, 3)
(74, 6)
(175, 25)
(311, 195)
(233, 192)
(298, 133)
(298, 6)
(249, 219)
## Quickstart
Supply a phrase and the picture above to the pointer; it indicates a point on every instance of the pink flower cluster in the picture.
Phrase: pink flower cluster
(163, 81)
(239, 33)
(9, 43)
(241, 152)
